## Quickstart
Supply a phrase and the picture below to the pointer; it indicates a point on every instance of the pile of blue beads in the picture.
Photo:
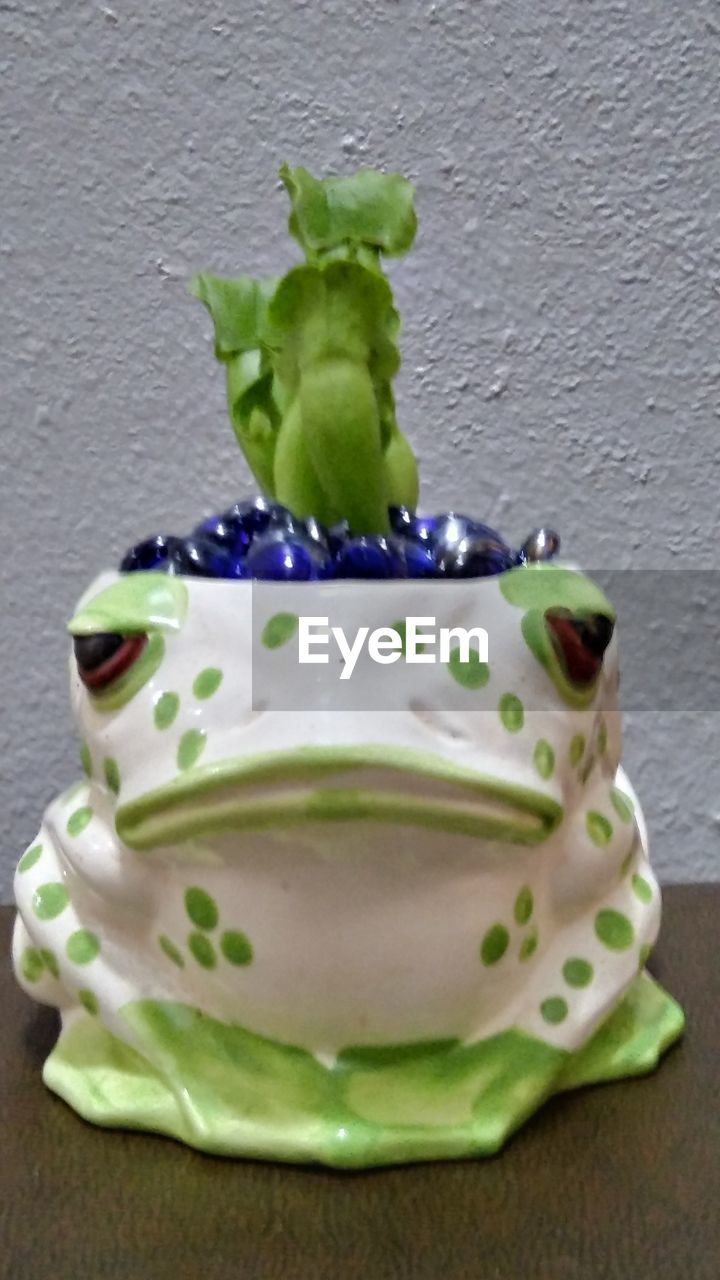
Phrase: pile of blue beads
(263, 540)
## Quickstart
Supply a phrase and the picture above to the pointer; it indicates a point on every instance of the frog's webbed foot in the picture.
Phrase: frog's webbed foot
(631, 1041)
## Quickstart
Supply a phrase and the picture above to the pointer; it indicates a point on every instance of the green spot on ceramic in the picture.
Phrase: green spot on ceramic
(577, 972)
(577, 749)
(586, 770)
(49, 900)
(112, 775)
(622, 805)
(472, 674)
(614, 929)
(82, 946)
(554, 1010)
(544, 759)
(190, 748)
(236, 948)
(49, 959)
(599, 828)
(528, 946)
(89, 1001)
(86, 759)
(31, 964)
(626, 864)
(279, 629)
(642, 889)
(644, 955)
(511, 712)
(602, 739)
(203, 950)
(171, 951)
(400, 627)
(29, 859)
(207, 682)
(523, 908)
(201, 908)
(78, 820)
(494, 944)
(165, 710)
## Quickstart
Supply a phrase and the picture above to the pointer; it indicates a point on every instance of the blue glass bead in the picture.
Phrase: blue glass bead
(282, 519)
(452, 527)
(423, 529)
(475, 556)
(224, 532)
(419, 560)
(369, 556)
(408, 524)
(400, 519)
(276, 557)
(314, 531)
(236, 527)
(151, 553)
(254, 514)
(198, 558)
(337, 535)
(212, 561)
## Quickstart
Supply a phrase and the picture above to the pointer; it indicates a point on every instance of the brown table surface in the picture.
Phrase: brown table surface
(619, 1182)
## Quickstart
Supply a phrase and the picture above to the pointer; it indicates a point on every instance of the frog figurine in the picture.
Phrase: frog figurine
(359, 922)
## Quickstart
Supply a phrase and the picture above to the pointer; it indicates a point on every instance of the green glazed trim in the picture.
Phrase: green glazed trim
(225, 1089)
(137, 602)
(210, 798)
(549, 586)
(122, 690)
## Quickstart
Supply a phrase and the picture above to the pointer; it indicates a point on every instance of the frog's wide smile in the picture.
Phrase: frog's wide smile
(336, 784)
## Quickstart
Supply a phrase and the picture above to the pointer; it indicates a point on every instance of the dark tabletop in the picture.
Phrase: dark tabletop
(619, 1182)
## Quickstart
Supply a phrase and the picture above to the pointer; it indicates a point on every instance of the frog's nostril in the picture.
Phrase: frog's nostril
(580, 641)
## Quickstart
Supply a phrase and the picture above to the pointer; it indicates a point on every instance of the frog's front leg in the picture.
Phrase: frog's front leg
(40, 937)
(85, 906)
(36, 967)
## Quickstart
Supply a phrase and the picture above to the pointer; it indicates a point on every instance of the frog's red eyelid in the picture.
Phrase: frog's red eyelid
(105, 656)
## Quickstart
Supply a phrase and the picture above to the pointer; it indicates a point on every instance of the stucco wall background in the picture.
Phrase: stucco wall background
(561, 306)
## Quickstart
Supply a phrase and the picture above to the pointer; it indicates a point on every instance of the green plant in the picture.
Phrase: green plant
(310, 357)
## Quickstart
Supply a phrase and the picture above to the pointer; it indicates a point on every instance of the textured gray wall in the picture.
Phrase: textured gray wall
(560, 307)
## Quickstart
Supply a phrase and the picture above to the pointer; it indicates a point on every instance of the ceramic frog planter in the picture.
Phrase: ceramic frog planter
(356, 936)
(358, 921)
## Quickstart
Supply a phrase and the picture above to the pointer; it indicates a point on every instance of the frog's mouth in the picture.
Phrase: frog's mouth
(336, 784)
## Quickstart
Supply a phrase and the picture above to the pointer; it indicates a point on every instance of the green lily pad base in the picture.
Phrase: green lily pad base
(225, 1090)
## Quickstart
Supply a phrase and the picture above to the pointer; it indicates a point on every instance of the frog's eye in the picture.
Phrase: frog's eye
(579, 641)
(104, 656)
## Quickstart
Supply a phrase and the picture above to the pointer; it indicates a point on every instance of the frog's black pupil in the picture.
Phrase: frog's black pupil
(92, 651)
(595, 632)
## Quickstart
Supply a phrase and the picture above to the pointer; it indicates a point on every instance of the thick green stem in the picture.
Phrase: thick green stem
(341, 431)
(296, 484)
